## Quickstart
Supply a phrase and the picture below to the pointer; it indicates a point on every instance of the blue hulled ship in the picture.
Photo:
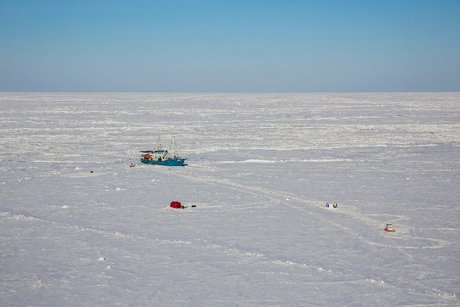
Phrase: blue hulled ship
(162, 156)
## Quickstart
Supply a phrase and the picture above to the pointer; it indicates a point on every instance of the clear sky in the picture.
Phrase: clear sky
(230, 45)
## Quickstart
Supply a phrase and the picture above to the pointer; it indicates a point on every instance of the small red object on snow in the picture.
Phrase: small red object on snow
(176, 205)
(389, 228)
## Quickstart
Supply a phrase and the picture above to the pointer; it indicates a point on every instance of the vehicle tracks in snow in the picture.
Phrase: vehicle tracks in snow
(274, 198)
(243, 256)
(316, 209)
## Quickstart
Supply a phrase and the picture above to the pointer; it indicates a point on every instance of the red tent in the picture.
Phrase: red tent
(176, 205)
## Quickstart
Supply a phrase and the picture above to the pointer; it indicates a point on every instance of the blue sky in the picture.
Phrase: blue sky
(230, 45)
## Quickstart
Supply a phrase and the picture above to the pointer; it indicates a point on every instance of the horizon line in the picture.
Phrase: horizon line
(224, 92)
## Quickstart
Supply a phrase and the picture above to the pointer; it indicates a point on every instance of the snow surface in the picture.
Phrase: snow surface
(261, 169)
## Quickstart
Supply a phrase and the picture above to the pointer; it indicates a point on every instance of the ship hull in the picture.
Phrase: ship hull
(166, 162)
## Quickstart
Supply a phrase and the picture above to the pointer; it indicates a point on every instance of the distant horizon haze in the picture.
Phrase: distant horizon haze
(253, 46)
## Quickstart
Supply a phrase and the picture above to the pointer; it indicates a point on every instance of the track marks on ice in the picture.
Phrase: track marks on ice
(263, 259)
(318, 212)
(242, 256)
(117, 234)
(277, 197)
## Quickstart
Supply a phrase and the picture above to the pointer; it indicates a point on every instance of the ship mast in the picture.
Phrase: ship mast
(172, 146)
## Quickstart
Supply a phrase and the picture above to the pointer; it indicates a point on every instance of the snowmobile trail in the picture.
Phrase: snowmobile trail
(332, 276)
(313, 210)
(316, 210)
(242, 256)
(117, 234)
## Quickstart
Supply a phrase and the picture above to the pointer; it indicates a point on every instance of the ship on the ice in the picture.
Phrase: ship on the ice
(160, 156)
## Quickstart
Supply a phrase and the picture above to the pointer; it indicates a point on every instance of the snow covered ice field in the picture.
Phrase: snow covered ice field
(261, 169)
